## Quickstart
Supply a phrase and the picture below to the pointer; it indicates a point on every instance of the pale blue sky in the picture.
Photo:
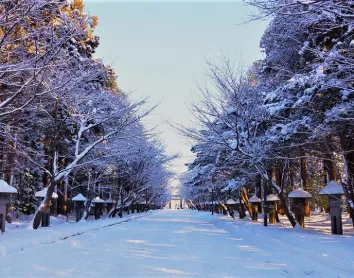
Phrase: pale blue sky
(158, 49)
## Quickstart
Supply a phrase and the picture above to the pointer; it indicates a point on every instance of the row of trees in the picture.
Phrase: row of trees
(286, 122)
(64, 123)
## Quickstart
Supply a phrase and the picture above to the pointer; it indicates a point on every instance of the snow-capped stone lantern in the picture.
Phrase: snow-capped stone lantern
(79, 205)
(98, 202)
(271, 200)
(207, 205)
(5, 192)
(40, 195)
(255, 201)
(231, 203)
(334, 191)
(299, 197)
(109, 203)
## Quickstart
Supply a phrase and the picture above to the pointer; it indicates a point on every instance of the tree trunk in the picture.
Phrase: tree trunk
(226, 207)
(259, 192)
(330, 169)
(278, 181)
(244, 198)
(265, 204)
(329, 163)
(286, 210)
(304, 180)
(347, 144)
(45, 205)
(241, 208)
(282, 199)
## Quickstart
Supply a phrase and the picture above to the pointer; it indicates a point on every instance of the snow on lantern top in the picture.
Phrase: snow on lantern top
(6, 188)
(300, 193)
(79, 198)
(254, 199)
(97, 200)
(211, 203)
(109, 201)
(272, 198)
(230, 110)
(43, 193)
(231, 202)
(332, 188)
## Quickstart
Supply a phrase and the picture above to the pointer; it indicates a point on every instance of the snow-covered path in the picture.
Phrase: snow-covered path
(187, 244)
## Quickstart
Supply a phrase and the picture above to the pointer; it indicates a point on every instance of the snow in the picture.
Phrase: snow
(345, 94)
(5, 188)
(211, 203)
(254, 199)
(230, 202)
(42, 193)
(98, 200)
(230, 110)
(178, 243)
(331, 188)
(109, 201)
(272, 197)
(299, 193)
(79, 198)
(17, 238)
(233, 144)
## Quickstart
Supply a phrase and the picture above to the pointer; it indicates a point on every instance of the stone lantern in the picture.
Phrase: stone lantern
(271, 201)
(255, 201)
(79, 204)
(5, 192)
(299, 197)
(98, 202)
(334, 191)
(45, 213)
(231, 203)
(213, 205)
(140, 205)
(109, 203)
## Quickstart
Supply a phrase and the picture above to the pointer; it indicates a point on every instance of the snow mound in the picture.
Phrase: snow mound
(272, 197)
(43, 193)
(299, 193)
(231, 202)
(254, 199)
(98, 200)
(211, 203)
(79, 197)
(5, 188)
(109, 201)
(331, 188)
(230, 110)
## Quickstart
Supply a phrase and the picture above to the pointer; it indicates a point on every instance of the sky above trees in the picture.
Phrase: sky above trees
(160, 49)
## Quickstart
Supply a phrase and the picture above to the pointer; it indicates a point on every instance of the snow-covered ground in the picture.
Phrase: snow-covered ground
(322, 222)
(20, 236)
(180, 243)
